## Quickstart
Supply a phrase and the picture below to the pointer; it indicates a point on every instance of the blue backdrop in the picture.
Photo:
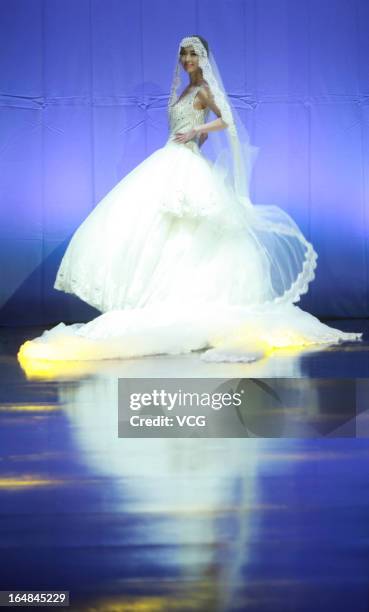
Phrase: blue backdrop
(83, 93)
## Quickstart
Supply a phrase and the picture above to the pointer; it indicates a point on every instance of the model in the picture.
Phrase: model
(177, 257)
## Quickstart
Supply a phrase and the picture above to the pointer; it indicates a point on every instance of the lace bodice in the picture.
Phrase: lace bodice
(183, 116)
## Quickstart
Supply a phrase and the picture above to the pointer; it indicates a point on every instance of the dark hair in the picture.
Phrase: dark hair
(204, 42)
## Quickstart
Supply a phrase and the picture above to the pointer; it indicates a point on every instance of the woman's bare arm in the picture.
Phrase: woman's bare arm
(207, 101)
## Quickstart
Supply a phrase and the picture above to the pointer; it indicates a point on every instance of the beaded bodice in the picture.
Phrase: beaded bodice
(183, 116)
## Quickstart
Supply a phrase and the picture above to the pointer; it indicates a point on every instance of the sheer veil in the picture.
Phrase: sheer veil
(288, 259)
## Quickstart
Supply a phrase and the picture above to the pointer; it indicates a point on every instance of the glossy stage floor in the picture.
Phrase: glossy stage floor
(220, 524)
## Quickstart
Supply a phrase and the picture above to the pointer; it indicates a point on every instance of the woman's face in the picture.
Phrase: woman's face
(189, 59)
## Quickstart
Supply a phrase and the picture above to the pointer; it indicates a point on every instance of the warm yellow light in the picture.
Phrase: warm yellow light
(61, 349)
(24, 482)
(28, 408)
(257, 338)
(202, 597)
(41, 368)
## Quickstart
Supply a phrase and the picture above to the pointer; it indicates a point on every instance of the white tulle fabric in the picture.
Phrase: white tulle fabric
(178, 260)
(229, 333)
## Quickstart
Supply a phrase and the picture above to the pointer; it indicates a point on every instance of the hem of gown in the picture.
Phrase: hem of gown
(229, 333)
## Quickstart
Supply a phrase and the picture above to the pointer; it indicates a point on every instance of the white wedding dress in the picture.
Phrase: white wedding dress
(172, 260)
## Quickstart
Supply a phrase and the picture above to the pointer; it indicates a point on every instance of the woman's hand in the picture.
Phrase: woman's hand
(184, 137)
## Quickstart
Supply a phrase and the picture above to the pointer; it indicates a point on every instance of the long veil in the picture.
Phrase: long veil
(288, 259)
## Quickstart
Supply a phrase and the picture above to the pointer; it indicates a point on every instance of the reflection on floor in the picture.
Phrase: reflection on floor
(252, 524)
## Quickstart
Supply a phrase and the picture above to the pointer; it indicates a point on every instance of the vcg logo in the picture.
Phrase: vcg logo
(191, 421)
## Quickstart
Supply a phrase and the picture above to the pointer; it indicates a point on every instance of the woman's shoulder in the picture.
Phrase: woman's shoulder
(204, 85)
(205, 93)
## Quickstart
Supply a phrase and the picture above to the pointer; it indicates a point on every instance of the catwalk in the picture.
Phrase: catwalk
(185, 524)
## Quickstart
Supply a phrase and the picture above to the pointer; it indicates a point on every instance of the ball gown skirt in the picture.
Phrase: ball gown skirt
(176, 263)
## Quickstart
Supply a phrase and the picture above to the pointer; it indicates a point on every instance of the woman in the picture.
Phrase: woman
(178, 258)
